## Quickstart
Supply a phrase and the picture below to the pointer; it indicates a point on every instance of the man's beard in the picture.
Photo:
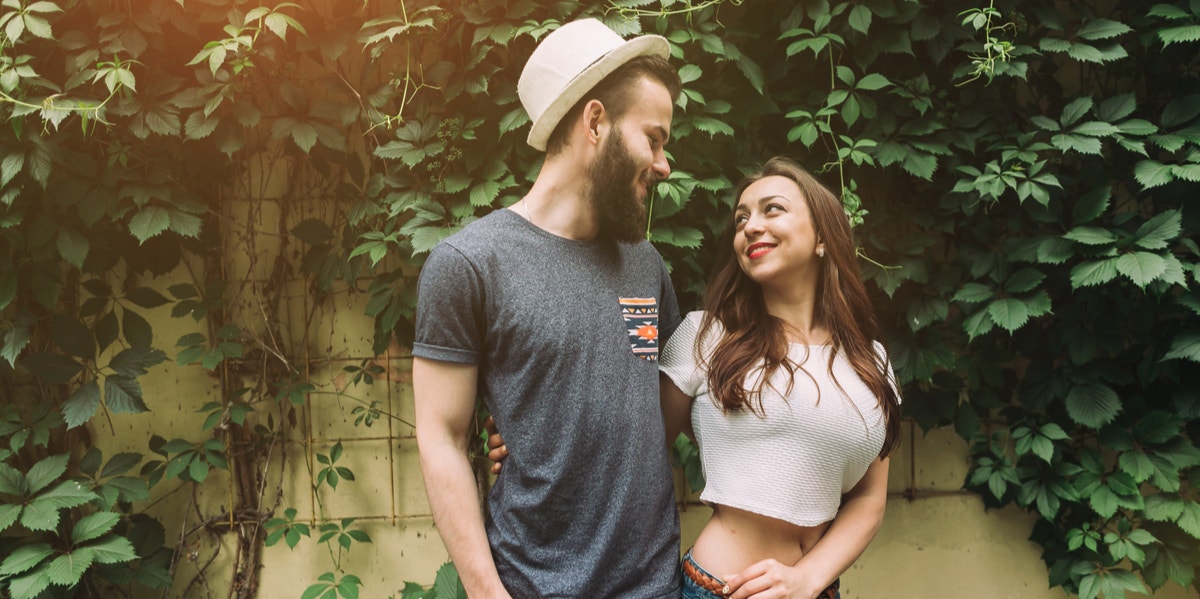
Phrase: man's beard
(612, 193)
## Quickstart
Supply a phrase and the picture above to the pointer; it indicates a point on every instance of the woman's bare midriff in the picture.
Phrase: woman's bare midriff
(735, 539)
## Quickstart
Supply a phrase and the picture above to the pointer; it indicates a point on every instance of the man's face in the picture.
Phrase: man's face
(614, 195)
(630, 162)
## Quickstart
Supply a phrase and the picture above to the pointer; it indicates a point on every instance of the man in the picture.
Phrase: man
(552, 312)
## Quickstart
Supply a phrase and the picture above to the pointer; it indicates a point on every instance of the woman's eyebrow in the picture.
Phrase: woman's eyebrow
(760, 200)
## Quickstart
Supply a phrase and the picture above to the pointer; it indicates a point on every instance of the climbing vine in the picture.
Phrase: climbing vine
(1020, 175)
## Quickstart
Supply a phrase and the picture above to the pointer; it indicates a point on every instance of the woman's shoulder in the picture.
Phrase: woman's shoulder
(690, 328)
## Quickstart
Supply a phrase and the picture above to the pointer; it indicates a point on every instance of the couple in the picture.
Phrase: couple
(553, 312)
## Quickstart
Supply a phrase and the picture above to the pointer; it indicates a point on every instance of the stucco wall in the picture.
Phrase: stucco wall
(935, 542)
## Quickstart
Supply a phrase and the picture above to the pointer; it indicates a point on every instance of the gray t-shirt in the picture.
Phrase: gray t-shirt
(566, 336)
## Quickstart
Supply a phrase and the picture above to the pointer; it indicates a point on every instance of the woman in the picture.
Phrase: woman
(790, 396)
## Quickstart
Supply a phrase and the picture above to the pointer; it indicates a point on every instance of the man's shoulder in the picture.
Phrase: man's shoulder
(643, 247)
(480, 234)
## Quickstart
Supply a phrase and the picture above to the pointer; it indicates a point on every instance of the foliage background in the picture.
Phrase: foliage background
(1023, 175)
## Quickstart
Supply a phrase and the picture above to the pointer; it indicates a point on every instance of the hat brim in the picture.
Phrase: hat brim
(646, 45)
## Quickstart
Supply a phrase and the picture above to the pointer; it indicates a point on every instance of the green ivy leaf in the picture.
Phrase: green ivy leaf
(1088, 274)
(1100, 29)
(1024, 280)
(1137, 465)
(82, 404)
(9, 512)
(146, 297)
(1179, 35)
(872, 82)
(1189, 518)
(123, 395)
(484, 193)
(120, 464)
(1077, 143)
(52, 368)
(1162, 507)
(978, 324)
(1155, 233)
(184, 224)
(1116, 107)
(1092, 404)
(137, 331)
(135, 361)
(149, 222)
(113, 550)
(1185, 346)
(447, 584)
(305, 135)
(313, 231)
(73, 337)
(68, 568)
(65, 495)
(25, 558)
(1141, 267)
(72, 246)
(974, 293)
(1009, 313)
(31, 585)
(1075, 110)
(1104, 501)
(1091, 235)
(45, 472)
(860, 18)
(93, 526)
(12, 482)
(1151, 173)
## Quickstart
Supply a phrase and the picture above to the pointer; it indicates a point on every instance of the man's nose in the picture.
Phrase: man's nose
(660, 166)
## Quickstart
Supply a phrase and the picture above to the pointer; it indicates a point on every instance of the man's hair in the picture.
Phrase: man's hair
(616, 93)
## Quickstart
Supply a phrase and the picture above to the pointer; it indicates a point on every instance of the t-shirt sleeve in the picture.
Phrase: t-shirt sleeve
(891, 373)
(678, 359)
(450, 316)
(668, 309)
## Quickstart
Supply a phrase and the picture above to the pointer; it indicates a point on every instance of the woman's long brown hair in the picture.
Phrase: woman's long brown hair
(754, 339)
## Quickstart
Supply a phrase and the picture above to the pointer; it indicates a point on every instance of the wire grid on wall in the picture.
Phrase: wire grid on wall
(326, 332)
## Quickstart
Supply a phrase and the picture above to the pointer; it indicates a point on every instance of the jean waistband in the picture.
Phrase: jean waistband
(705, 580)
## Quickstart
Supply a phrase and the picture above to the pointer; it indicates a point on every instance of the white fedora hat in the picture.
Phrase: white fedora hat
(570, 61)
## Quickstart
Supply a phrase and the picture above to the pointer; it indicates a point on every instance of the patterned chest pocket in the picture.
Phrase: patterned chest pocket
(641, 322)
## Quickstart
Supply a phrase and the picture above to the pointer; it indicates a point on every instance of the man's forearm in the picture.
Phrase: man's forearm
(454, 501)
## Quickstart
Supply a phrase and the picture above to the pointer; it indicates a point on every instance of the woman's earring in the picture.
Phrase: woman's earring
(821, 252)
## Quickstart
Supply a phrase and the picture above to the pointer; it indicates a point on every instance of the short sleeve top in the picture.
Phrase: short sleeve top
(795, 460)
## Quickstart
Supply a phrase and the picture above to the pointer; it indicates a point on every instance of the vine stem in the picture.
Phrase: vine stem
(667, 13)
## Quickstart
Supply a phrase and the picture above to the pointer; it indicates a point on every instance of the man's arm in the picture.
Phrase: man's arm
(676, 409)
(445, 405)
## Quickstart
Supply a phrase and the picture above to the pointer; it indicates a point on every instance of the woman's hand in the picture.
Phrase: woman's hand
(497, 450)
(770, 579)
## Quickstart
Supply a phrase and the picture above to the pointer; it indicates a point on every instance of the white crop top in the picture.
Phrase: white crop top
(795, 463)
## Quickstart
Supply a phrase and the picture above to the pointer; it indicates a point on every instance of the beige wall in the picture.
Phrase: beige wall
(936, 541)
(939, 543)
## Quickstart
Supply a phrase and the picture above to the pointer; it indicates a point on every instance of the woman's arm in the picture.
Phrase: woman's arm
(857, 521)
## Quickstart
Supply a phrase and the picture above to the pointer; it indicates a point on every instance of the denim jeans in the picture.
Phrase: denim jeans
(692, 590)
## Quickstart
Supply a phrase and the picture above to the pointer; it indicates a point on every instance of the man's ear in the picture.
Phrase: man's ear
(595, 116)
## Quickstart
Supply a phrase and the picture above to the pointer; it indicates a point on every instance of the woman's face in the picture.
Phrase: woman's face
(774, 237)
